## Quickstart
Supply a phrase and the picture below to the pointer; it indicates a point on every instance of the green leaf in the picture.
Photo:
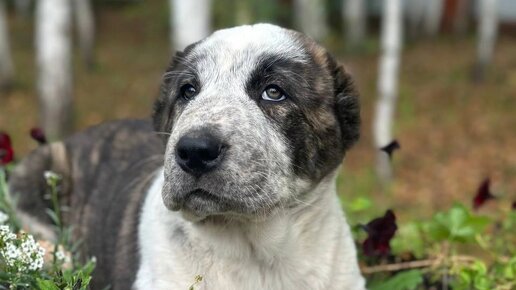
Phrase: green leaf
(510, 269)
(409, 239)
(478, 223)
(455, 219)
(359, 204)
(68, 276)
(408, 280)
(47, 285)
(456, 225)
(53, 216)
(481, 282)
(465, 277)
(436, 231)
(479, 267)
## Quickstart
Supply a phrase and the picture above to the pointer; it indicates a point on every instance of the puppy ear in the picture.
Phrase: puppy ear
(164, 105)
(347, 104)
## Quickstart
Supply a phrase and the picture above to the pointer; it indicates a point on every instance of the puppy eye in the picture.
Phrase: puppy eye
(188, 91)
(273, 93)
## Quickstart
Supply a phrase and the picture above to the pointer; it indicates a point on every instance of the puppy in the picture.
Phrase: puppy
(239, 187)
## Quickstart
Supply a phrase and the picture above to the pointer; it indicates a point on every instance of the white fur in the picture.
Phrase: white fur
(306, 247)
(224, 62)
(294, 244)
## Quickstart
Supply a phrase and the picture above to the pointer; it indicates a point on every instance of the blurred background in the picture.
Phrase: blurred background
(438, 76)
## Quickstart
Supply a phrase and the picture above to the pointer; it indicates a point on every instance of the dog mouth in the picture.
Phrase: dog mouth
(204, 195)
(215, 197)
(201, 202)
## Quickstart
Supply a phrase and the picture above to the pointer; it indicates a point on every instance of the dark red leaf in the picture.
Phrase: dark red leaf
(380, 232)
(38, 135)
(391, 147)
(483, 194)
(513, 206)
(6, 149)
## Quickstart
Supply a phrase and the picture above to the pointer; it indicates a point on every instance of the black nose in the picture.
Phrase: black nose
(200, 153)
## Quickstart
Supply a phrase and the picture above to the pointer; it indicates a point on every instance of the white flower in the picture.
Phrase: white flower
(62, 256)
(5, 233)
(24, 252)
(52, 178)
(32, 254)
(4, 229)
(49, 175)
(3, 217)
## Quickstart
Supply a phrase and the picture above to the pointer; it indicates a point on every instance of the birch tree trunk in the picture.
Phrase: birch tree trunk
(6, 62)
(354, 15)
(415, 14)
(310, 17)
(53, 55)
(85, 25)
(487, 33)
(190, 21)
(433, 16)
(387, 84)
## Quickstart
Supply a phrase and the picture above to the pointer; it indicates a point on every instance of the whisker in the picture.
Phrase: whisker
(162, 133)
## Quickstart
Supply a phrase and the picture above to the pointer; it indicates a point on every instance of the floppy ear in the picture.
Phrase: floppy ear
(163, 106)
(347, 104)
(162, 116)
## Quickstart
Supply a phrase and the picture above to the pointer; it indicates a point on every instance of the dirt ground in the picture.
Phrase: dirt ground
(453, 133)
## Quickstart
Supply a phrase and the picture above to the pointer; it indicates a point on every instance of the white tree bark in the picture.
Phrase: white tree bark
(53, 55)
(432, 17)
(190, 21)
(85, 25)
(415, 14)
(6, 62)
(310, 17)
(354, 14)
(487, 33)
(387, 83)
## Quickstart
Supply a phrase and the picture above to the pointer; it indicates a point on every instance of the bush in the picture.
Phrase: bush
(454, 249)
(27, 263)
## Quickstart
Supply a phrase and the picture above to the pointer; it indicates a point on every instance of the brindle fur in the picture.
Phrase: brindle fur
(108, 169)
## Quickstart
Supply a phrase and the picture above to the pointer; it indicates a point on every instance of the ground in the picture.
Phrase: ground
(453, 133)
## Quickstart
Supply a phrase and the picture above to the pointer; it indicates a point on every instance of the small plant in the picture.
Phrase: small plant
(27, 263)
(454, 249)
(21, 255)
(197, 280)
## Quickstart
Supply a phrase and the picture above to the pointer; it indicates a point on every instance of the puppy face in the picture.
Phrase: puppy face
(253, 117)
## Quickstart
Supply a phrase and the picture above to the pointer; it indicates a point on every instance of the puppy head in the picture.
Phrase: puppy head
(253, 118)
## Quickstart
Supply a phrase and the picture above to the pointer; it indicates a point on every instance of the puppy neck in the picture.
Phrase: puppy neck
(297, 226)
(275, 253)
